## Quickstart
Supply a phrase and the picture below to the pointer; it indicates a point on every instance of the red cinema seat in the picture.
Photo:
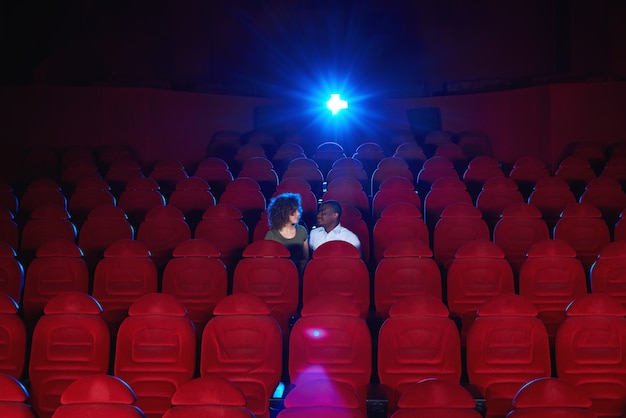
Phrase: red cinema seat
(393, 190)
(11, 272)
(479, 170)
(507, 346)
(58, 267)
(214, 171)
(526, 171)
(224, 145)
(121, 170)
(208, 396)
(124, 274)
(306, 169)
(70, 340)
(223, 226)
(155, 351)
(12, 338)
(262, 170)
(324, 397)
(352, 218)
(14, 398)
(167, 173)
(245, 194)
(444, 191)
(589, 352)
(267, 271)
(478, 272)
(349, 167)
(197, 277)
(243, 343)
(407, 269)
(498, 193)
(458, 223)
(40, 192)
(520, 226)
(550, 279)
(245, 152)
(326, 154)
(9, 232)
(46, 223)
(369, 154)
(577, 172)
(474, 143)
(606, 194)
(139, 196)
(399, 222)
(436, 398)
(286, 153)
(551, 196)
(413, 154)
(104, 225)
(608, 272)
(161, 231)
(74, 172)
(88, 195)
(417, 341)
(582, 226)
(550, 397)
(433, 169)
(336, 268)
(390, 167)
(330, 341)
(192, 196)
(98, 395)
(349, 191)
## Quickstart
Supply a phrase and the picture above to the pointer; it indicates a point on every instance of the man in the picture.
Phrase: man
(329, 227)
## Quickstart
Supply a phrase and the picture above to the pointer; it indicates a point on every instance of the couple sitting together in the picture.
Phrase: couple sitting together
(284, 212)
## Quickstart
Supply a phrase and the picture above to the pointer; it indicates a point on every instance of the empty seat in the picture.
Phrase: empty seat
(139, 196)
(615, 167)
(497, 194)
(369, 154)
(455, 154)
(551, 196)
(40, 192)
(326, 154)
(330, 341)
(243, 344)
(444, 191)
(474, 143)
(349, 167)
(12, 338)
(352, 218)
(11, 272)
(589, 351)
(104, 225)
(478, 272)
(413, 154)
(47, 223)
(479, 170)
(433, 169)
(14, 398)
(520, 226)
(306, 169)
(262, 170)
(387, 168)
(155, 351)
(245, 152)
(192, 196)
(595, 152)
(167, 173)
(348, 190)
(407, 269)
(58, 267)
(107, 154)
(98, 395)
(267, 271)
(577, 172)
(526, 171)
(607, 274)
(324, 397)
(394, 190)
(458, 223)
(198, 278)
(399, 221)
(121, 170)
(74, 172)
(550, 278)
(507, 346)
(417, 341)
(214, 171)
(582, 226)
(161, 231)
(124, 274)
(436, 398)
(336, 268)
(606, 194)
(286, 152)
(224, 145)
(208, 396)
(223, 226)
(245, 194)
(88, 195)
(70, 341)
(552, 398)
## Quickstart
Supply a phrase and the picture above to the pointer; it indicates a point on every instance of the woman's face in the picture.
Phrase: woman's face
(294, 217)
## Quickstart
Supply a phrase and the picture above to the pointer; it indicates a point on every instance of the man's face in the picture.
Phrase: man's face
(326, 217)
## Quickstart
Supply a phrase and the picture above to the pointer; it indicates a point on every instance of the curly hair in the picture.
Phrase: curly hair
(281, 207)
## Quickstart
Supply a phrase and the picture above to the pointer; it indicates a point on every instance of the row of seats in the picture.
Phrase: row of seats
(155, 349)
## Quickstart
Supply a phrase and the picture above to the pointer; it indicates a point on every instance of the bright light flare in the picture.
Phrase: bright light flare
(336, 104)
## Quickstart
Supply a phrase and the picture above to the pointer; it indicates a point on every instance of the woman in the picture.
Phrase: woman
(284, 213)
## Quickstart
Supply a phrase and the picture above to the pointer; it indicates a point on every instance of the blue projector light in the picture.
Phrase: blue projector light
(336, 104)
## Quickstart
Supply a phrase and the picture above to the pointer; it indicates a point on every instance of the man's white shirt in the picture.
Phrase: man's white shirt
(319, 236)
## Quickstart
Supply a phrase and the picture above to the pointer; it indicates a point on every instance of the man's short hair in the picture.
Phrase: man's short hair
(335, 205)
